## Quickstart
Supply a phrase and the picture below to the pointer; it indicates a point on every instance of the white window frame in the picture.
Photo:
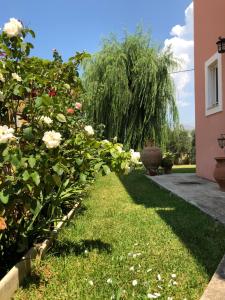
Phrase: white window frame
(215, 59)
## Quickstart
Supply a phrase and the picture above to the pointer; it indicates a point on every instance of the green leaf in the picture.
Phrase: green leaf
(106, 169)
(15, 161)
(65, 184)
(4, 198)
(58, 169)
(57, 179)
(18, 90)
(30, 188)
(83, 177)
(36, 178)
(79, 161)
(44, 100)
(35, 206)
(27, 133)
(25, 175)
(61, 118)
(31, 161)
(88, 156)
(98, 166)
(38, 102)
(28, 90)
(32, 33)
(123, 165)
(5, 152)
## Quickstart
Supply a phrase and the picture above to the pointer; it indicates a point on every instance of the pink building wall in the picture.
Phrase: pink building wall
(209, 24)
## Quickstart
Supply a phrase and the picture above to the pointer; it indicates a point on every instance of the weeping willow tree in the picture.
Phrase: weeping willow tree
(129, 89)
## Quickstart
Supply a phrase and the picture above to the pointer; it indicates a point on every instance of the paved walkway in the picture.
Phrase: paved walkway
(207, 197)
(200, 192)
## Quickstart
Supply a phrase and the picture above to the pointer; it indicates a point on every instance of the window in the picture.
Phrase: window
(213, 85)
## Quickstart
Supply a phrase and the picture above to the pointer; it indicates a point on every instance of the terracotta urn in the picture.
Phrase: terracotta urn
(219, 172)
(151, 158)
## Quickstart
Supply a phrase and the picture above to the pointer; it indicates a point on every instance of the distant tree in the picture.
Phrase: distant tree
(180, 143)
(129, 89)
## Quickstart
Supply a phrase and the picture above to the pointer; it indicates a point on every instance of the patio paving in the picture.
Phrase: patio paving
(207, 197)
(200, 192)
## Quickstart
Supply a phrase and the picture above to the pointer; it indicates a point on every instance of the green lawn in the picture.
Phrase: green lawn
(131, 239)
(184, 169)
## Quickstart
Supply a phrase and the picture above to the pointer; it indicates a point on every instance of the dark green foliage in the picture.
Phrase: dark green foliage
(181, 143)
(129, 89)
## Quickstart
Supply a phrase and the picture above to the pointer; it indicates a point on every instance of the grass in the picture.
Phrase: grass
(130, 230)
(181, 169)
(184, 169)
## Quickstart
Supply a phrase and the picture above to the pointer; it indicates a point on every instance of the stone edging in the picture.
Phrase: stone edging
(14, 278)
(216, 287)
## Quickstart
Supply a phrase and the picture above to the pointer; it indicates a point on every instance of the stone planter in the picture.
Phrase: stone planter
(219, 172)
(168, 169)
(151, 158)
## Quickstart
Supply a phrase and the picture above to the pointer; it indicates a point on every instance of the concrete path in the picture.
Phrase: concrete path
(207, 197)
(200, 192)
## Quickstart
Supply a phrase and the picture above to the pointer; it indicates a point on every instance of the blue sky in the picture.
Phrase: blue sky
(72, 25)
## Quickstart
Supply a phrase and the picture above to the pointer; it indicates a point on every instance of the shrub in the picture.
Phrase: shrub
(48, 151)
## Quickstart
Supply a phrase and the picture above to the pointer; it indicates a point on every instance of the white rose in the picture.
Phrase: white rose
(2, 79)
(13, 27)
(6, 134)
(46, 120)
(52, 139)
(135, 156)
(105, 142)
(16, 77)
(89, 130)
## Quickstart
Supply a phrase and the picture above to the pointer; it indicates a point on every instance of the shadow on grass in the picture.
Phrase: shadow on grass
(41, 275)
(67, 247)
(33, 279)
(202, 236)
(81, 210)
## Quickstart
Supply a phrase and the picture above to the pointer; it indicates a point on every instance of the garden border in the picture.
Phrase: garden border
(14, 278)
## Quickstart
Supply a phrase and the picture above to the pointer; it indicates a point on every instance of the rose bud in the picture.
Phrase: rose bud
(78, 105)
(52, 93)
(70, 111)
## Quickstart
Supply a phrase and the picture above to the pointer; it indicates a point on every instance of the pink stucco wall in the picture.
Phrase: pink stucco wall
(209, 24)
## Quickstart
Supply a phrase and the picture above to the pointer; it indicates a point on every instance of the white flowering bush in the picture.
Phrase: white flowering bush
(48, 150)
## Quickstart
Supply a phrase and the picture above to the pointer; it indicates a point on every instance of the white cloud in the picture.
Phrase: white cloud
(182, 45)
